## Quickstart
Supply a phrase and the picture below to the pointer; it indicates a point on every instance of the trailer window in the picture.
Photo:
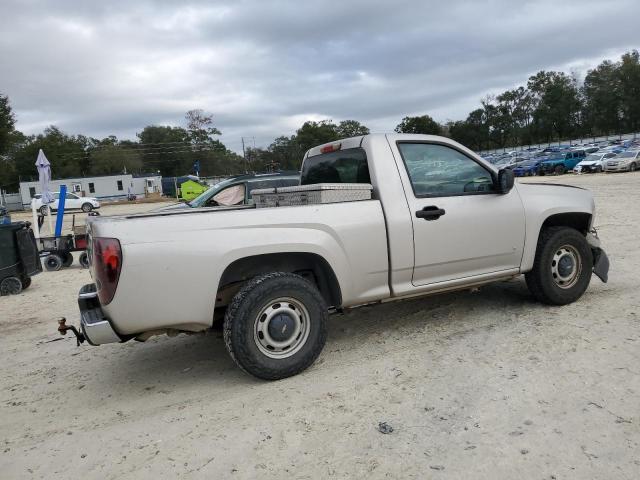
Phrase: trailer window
(343, 166)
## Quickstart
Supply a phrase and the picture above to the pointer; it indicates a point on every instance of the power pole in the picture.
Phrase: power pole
(244, 155)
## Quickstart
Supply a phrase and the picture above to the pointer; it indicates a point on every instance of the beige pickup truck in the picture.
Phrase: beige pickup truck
(440, 218)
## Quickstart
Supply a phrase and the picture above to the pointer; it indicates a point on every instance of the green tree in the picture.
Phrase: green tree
(424, 124)
(351, 128)
(165, 148)
(558, 107)
(629, 80)
(312, 134)
(7, 124)
(68, 154)
(602, 99)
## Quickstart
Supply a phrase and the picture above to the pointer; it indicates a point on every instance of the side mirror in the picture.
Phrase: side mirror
(505, 180)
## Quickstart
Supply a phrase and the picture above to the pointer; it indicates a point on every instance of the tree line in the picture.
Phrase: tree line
(551, 106)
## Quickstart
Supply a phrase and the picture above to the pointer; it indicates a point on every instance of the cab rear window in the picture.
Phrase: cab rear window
(343, 166)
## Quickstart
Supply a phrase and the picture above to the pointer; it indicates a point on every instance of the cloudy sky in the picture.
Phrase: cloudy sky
(264, 67)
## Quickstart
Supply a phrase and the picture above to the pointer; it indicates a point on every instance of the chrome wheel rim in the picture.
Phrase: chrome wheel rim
(281, 328)
(566, 266)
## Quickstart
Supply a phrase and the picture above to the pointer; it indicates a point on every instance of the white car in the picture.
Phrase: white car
(594, 162)
(623, 162)
(71, 202)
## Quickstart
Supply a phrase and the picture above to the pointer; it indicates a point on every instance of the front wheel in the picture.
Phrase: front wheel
(632, 167)
(562, 267)
(598, 169)
(87, 207)
(44, 210)
(559, 170)
(276, 326)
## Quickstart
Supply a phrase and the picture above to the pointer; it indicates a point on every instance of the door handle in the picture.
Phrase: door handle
(430, 213)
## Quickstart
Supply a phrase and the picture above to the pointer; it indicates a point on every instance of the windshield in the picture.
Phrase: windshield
(201, 199)
(627, 154)
(592, 158)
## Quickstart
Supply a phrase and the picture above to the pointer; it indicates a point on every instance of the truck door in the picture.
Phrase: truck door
(461, 227)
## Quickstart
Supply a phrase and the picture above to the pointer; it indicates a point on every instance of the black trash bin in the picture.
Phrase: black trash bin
(19, 259)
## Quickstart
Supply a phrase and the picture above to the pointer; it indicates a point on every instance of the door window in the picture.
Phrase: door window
(70, 196)
(441, 171)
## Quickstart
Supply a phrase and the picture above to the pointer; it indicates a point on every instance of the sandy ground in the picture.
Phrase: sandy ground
(475, 385)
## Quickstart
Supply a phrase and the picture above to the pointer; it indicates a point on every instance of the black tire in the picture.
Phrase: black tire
(26, 282)
(632, 167)
(67, 259)
(53, 263)
(84, 260)
(10, 286)
(559, 169)
(43, 210)
(598, 169)
(540, 280)
(87, 207)
(243, 317)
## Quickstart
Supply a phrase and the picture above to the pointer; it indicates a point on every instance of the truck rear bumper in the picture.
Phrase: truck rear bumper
(95, 326)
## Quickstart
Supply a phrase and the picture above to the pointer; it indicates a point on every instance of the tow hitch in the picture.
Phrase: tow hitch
(63, 327)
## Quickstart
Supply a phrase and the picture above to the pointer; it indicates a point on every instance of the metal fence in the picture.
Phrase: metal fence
(574, 141)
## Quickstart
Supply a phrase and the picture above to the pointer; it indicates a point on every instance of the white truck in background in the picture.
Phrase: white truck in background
(440, 219)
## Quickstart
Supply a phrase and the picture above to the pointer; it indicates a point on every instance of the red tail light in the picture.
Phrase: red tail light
(334, 147)
(106, 259)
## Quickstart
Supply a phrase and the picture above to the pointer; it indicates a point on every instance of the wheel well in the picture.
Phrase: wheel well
(579, 221)
(308, 265)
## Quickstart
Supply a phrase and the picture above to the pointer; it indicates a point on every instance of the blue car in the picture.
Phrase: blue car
(562, 163)
(528, 168)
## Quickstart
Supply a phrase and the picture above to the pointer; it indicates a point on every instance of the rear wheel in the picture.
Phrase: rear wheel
(67, 259)
(562, 267)
(276, 326)
(84, 260)
(10, 286)
(559, 170)
(53, 263)
(87, 207)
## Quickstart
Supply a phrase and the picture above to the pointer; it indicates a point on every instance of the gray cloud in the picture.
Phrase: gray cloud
(263, 68)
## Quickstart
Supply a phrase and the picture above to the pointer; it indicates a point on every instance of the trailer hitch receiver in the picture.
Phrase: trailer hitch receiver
(63, 327)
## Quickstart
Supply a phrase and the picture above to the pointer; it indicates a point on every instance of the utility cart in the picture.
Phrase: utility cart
(57, 251)
(19, 259)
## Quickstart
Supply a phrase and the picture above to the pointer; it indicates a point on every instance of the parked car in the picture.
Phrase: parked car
(274, 274)
(562, 163)
(593, 162)
(71, 202)
(623, 162)
(528, 168)
(237, 190)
